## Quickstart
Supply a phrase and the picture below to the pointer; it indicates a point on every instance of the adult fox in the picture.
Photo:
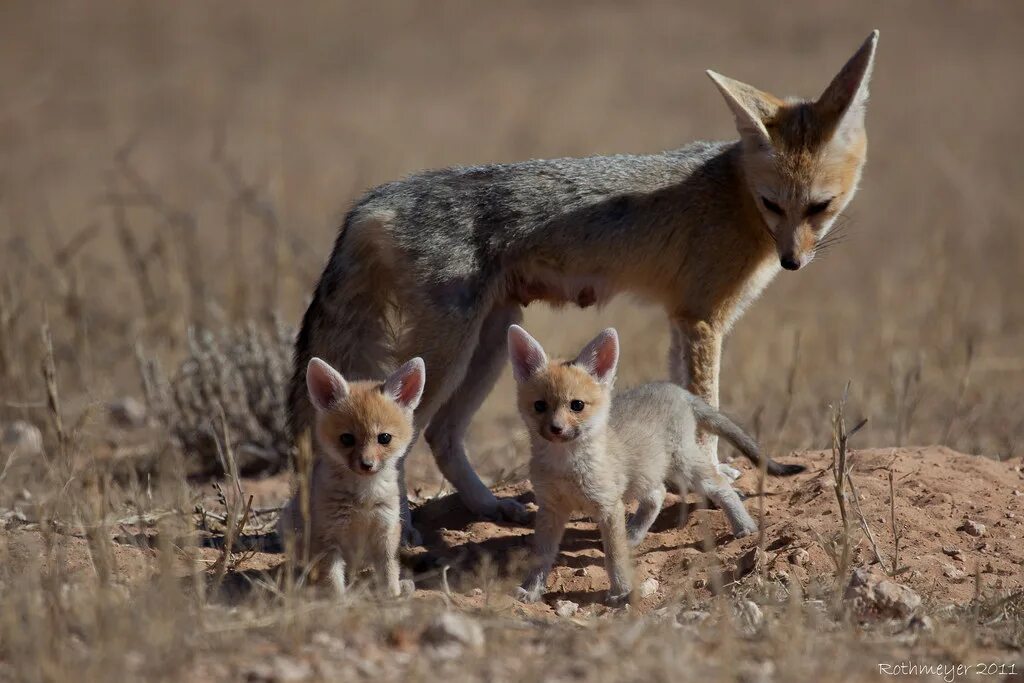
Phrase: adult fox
(439, 264)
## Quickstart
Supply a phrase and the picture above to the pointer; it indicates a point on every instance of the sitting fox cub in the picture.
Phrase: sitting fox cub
(591, 452)
(362, 428)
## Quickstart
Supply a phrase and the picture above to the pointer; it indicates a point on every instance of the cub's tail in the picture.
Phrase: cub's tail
(719, 424)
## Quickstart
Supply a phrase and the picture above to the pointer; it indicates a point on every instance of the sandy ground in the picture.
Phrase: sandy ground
(937, 491)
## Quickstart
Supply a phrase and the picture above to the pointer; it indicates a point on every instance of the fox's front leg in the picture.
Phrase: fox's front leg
(547, 537)
(617, 559)
(694, 360)
(336, 574)
(386, 568)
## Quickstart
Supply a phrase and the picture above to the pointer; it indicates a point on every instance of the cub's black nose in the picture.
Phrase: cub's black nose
(365, 466)
(555, 429)
(789, 263)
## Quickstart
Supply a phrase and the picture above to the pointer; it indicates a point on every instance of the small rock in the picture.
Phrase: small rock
(880, 597)
(952, 551)
(1016, 492)
(566, 608)
(453, 629)
(700, 583)
(952, 573)
(749, 562)
(288, 669)
(649, 587)
(476, 592)
(972, 528)
(749, 615)
(24, 438)
(799, 557)
(581, 571)
(127, 413)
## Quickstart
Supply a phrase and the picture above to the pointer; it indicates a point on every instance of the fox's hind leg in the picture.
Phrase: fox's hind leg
(638, 523)
(718, 488)
(447, 431)
(694, 361)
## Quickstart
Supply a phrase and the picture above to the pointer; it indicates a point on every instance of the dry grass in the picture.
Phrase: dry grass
(173, 175)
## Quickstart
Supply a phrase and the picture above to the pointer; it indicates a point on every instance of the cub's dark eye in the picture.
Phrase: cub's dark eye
(384, 439)
(348, 440)
(818, 207)
(772, 206)
(577, 405)
(540, 406)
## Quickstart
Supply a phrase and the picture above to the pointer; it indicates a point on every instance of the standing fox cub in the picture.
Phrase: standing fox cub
(592, 453)
(362, 428)
(442, 262)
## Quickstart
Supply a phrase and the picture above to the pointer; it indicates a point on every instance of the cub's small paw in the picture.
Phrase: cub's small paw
(744, 532)
(406, 587)
(527, 596)
(635, 536)
(618, 597)
(729, 471)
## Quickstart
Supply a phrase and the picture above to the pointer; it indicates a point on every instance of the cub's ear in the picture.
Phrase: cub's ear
(751, 108)
(842, 105)
(601, 356)
(527, 355)
(325, 384)
(406, 384)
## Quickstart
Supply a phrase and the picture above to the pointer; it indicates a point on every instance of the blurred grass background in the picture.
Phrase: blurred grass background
(170, 165)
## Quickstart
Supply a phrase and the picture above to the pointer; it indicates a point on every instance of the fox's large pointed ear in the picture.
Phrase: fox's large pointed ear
(406, 384)
(750, 106)
(526, 353)
(601, 356)
(325, 384)
(841, 106)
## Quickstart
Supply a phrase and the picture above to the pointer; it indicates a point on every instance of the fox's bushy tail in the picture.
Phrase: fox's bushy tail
(348, 323)
(717, 423)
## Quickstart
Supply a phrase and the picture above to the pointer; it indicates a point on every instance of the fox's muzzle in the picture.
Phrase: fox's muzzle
(790, 262)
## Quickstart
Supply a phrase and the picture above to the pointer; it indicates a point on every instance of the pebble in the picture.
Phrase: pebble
(23, 438)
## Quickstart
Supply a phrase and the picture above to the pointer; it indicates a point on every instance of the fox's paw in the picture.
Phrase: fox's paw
(745, 531)
(618, 597)
(410, 536)
(528, 596)
(635, 535)
(511, 510)
(501, 510)
(406, 587)
(729, 471)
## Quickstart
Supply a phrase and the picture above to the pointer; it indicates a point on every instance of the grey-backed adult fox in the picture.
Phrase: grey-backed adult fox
(592, 453)
(441, 263)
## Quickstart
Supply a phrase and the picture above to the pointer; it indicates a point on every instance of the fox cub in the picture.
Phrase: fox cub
(362, 428)
(591, 453)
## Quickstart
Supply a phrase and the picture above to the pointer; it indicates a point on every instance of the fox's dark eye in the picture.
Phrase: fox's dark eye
(577, 405)
(384, 439)
(540, 406)
(772, 206)
(348, 440)
(818, 207)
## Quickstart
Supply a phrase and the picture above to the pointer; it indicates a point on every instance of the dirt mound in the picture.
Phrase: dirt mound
(957, 516)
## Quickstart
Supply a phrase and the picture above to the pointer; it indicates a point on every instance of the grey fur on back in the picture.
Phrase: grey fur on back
(470, 225)
(651, 406)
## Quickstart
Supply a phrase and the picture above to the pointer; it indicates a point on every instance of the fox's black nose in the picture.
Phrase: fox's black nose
(365, 466)
(789, 263)
(556, 429)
